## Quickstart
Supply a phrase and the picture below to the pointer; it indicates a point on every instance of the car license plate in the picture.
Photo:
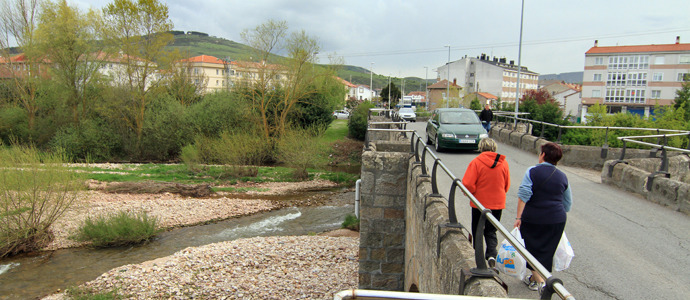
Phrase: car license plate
(464, 141)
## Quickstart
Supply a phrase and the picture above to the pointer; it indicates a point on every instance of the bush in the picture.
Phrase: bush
(351, 222)
(299, 149)
(35, 190)
(359, 118)
(123, 228)
(244, 148)
(165, 131)
(92, 140)
(221, 112)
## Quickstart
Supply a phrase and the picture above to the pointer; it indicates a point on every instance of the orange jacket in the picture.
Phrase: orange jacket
(488, 179)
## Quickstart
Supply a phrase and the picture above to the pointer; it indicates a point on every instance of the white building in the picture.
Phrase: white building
(568, 95)
(483, 74)
(634, 78)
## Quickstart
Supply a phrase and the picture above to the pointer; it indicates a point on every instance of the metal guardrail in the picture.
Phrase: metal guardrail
(553, 284)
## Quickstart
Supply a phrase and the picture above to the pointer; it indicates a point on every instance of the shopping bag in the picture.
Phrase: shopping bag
(509, 261)
(564, 254)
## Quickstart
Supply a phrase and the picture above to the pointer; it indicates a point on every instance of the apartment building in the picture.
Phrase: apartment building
(568, 97)
(494, 75)
(207, 71)
(634, 79)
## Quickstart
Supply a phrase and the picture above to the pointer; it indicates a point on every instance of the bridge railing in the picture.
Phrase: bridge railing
(417, 145)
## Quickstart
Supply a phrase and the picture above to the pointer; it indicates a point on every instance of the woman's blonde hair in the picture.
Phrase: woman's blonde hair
(487, 144)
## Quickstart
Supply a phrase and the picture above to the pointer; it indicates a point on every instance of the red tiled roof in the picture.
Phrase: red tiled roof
(442, 85)
(347, 83)
(641, 48)
(417, 93)
(204, 59)
(487, 95)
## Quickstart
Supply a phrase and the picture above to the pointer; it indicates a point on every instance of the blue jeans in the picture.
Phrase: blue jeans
(486, 125)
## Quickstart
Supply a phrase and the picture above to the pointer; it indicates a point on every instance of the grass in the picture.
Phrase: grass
(122, 228)
(336, 131)
(351, 222)
(78, 293)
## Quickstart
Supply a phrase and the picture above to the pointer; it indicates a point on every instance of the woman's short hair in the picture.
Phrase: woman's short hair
(552, 153)
(487, 144)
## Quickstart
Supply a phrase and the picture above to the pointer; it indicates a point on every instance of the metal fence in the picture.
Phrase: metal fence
(421, 150)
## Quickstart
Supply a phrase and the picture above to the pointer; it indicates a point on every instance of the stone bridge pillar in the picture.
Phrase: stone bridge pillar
(382, 218)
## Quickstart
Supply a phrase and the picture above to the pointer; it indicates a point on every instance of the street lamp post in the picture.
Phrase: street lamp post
(371, 81)
(426, 86)
(448, 79)
(517, 88)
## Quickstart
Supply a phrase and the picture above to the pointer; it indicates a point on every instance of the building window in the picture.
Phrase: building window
(658, 77)
(640, 62)
(616, 79)
(596, 93)
(656, 94)
(597, 77)
(634, 96)
(683, 76)
(615, 95)
(659, 60)
(684, 59)
(598, 60)
(217, 81)
(216, 71)
(637, 79)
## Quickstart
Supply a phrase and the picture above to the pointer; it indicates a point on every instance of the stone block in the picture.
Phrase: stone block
(395, 255)
(392, 268)
(684, 199)
(377, 254)
(364, 280)
(394, 239)
(388, 282)
(391, 184)
(388, 201)
(391, 213)
(370, 266)
(664, 191)
(371, 213)
(368, 181)
(370, 239)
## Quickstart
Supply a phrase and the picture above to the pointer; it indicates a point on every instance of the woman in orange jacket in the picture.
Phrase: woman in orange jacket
(488, 178)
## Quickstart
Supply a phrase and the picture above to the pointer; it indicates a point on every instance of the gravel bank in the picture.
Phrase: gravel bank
(291, 267)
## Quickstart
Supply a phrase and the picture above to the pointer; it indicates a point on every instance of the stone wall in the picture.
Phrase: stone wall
(633, 175)
(398, 246)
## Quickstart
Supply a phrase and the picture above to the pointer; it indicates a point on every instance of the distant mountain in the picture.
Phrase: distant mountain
(198, 43)
(571, 77)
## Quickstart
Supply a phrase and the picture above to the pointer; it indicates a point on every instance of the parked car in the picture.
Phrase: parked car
(454, 128)
(341, 114)
(407, 114)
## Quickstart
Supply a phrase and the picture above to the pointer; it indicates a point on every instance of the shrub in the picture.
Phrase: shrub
(165, 131)
(243, 148)
(359, 117)
(299, 149)
(35, 190)
(221, 112)
(92, 139)
(122, 228)
(351, 222)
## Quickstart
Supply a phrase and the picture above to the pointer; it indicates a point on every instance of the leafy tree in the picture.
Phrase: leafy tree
(540, 96)
(357, 125)
(682, 100)
(140, 30)
(278, 88)
(18, 21)
(67, 38)
(475, 105)
(395, 94)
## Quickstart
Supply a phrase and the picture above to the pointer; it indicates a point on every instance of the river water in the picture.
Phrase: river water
(32, 276)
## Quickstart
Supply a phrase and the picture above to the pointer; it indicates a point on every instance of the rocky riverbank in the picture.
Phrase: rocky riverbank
(289, 267)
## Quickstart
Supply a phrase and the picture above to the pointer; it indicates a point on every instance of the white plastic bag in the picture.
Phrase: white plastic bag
(564, 254)
(509, 261)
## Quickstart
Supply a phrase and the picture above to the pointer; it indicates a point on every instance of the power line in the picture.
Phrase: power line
(511, 44)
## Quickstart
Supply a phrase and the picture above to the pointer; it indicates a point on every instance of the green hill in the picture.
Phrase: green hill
(200, 43)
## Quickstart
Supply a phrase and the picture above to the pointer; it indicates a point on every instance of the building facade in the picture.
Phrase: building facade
(568, 96)
(634, 79)
(491, 75)
(437, 93)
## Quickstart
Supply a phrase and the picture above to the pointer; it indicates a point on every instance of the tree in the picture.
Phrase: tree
(67, 38)
(18, 21)
(395, 94)
(277, 88)
(139, 29)
(682, 99)
(475, 105)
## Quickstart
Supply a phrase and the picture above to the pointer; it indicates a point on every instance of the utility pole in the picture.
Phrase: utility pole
(371, 82)
(517, 88)
(426, 86)
(448, 79)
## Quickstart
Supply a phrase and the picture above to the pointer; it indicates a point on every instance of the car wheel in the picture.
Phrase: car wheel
(428, 140)
(438, 146)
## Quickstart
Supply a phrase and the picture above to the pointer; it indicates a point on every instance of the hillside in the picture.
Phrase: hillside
(198, 44)
(571, 77)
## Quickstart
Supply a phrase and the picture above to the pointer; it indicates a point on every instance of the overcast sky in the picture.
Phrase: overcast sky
(402, 37)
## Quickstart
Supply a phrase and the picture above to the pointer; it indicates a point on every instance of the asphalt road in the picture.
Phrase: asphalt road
(625, 246)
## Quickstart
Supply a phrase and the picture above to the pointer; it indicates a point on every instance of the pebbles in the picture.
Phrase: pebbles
(287, 267)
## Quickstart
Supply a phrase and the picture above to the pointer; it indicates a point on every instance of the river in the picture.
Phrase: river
(43, 273)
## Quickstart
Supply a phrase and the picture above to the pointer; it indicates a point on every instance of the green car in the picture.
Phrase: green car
(454, 128)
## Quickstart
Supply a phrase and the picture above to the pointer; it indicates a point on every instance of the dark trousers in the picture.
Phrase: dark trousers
(489, 232)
